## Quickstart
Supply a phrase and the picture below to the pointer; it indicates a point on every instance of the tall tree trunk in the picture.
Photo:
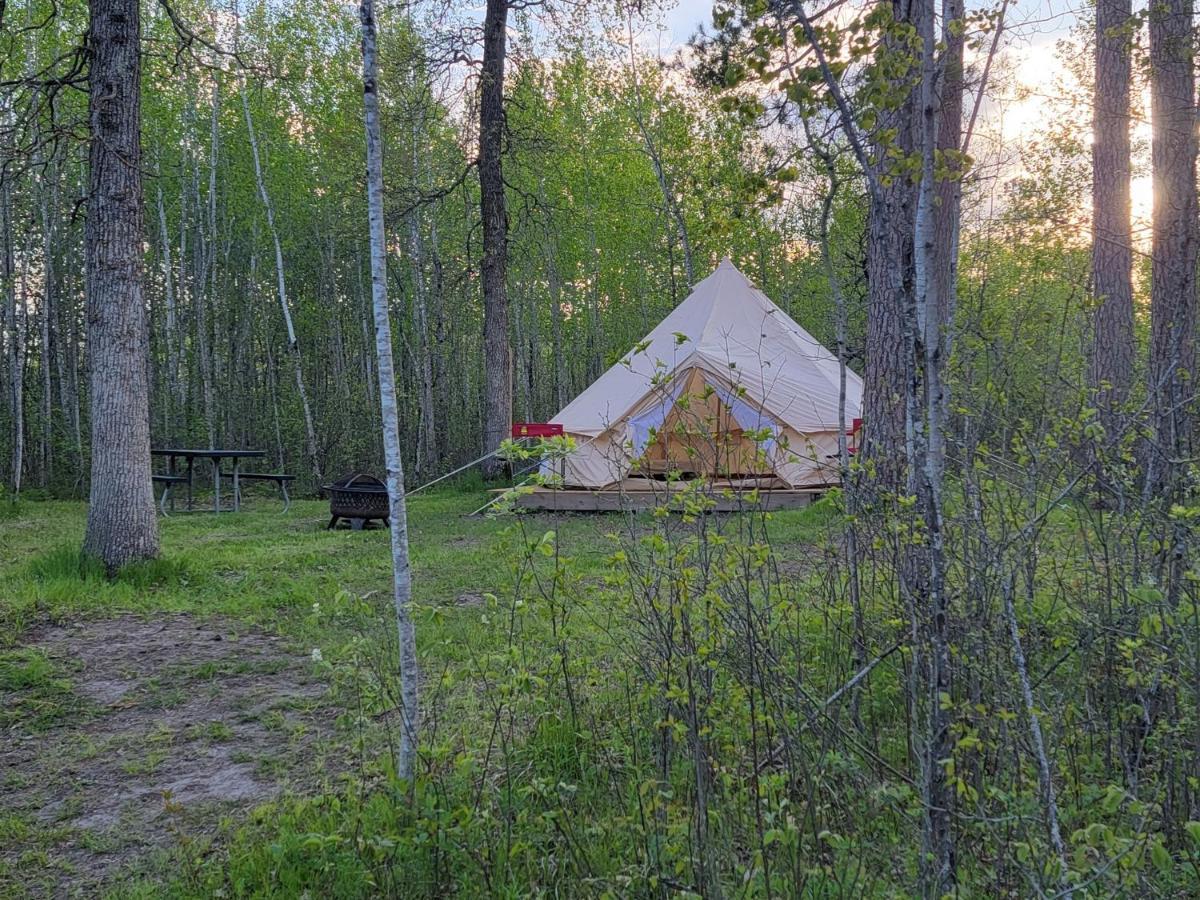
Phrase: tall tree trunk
(441, 380)
(48, 208)
(273, 389)
(670, 201)
(556, 324)
(16, 321)
(889, 281)
(1110, 370)
(850, 532)
(174, 400)
(427, 442)
(522, 403)
(533, 355)
(62, 317)
(366, 315)
(401, 573)
(947, 222)
(205, 252)
(185, 285)
(595, 356)
(1174, 241)
(68, 381)
(497, 353)
(121, 526)
(310, 434)
(925, 565)
(208, 288)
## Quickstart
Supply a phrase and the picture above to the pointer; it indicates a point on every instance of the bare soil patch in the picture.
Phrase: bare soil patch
(172, 723)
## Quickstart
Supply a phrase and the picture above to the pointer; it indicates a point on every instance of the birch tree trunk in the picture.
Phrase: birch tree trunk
(556, 325)
(1045, 772)
(427, 445)
(204, 249)
(48, 209)
(401, 573)
(948, 221)
(121, 524)
(22, 336)
(366, 315)
(310, 434)
(670, 201)
(925, 574)
(437, 347)
(185, 284)
(68, 381)
(206, 302)
(175, 400)
(841, 314)
(497, 354)
(15, 309)
(1110, 370)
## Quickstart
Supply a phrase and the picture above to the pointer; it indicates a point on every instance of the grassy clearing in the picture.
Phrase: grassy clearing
(219, 722)
(134, 724)
(268, 568)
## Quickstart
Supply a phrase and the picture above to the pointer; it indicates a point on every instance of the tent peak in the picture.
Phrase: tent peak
(726, 268)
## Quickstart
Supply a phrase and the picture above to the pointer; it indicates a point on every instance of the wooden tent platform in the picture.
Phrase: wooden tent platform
(583, 500)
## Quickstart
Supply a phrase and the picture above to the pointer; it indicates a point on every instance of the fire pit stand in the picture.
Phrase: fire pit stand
(358, 498)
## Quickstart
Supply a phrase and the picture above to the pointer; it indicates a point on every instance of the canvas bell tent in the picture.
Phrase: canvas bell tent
(727, 387)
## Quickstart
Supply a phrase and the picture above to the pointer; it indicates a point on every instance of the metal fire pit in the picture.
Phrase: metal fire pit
(357, 498)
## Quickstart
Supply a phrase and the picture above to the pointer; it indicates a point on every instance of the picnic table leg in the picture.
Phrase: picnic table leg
(191, 463)
(237, 492)
(216, 484)
(171, 472)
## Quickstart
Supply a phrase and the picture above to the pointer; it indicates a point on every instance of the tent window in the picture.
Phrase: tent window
(651, 420)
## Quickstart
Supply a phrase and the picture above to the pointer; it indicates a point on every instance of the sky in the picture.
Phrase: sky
(1029, 91)
(1038, 21)
(684, 19)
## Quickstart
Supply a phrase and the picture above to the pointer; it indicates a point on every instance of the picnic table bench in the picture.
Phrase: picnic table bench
(167, 481)
(280, 479)
(217, 456)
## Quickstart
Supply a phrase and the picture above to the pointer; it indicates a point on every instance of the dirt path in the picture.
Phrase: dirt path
(129, 732)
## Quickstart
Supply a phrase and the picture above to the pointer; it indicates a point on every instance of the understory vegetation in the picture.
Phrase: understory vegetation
(649, 704)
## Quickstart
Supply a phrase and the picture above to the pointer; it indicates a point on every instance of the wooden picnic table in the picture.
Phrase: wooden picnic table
(173, 454)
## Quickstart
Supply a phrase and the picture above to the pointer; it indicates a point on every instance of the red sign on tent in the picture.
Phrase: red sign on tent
(536, 430)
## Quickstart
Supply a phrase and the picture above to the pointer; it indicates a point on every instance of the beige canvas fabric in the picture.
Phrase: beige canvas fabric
(730, 337)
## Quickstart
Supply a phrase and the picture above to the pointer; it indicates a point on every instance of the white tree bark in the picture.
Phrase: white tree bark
(47, 205)
(670, 201)
(924, 342)
(172, 336)
(427, 444)
(841, 313)
(15, 316)
(310, 434)
(206, 300)
(401, 573)
(205, 253)
(1045, 774)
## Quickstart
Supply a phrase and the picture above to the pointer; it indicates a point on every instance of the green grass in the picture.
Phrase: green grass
(269, 568)
(286, 574)
(39, 691)
(25, 669)
(546, 706)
